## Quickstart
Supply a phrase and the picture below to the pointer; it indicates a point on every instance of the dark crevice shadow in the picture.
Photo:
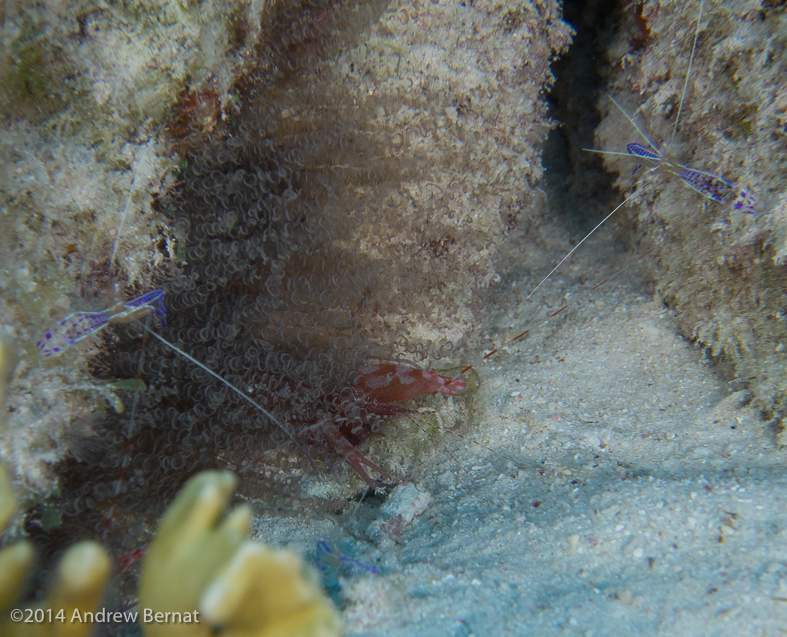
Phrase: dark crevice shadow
(579, 191)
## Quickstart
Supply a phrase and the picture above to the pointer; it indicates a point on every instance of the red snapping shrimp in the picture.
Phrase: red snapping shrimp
(378, 387)
(376, 391)
(390, 382)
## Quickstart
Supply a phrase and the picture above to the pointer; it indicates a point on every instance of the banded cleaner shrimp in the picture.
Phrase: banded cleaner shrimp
(588, 410)
(622, 442)
(711, 85)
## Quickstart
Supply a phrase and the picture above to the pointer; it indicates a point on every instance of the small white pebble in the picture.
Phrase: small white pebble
(408, 501)
(625, 596)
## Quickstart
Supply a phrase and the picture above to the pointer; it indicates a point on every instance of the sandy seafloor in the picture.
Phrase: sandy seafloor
(609, 480)
(630, 489)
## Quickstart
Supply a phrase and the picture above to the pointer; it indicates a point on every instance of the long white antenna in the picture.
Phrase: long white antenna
(123, 218)
(174, 348)
(688, 72)
(634, 124)
(574, 249)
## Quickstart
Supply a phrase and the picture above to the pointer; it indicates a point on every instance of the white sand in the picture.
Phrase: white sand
(631, 491)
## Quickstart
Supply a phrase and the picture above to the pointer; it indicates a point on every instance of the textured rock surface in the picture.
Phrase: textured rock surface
(721, 269)
(375, 174)
(85, 92)
(597, 476)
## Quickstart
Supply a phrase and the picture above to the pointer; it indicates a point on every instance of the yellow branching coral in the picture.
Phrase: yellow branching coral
(199, 574)
(77, 588)
(200, 564)
(14, 560)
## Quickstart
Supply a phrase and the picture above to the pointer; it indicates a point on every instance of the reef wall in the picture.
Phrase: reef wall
(721, 269)
(86, 93)
(311, 183)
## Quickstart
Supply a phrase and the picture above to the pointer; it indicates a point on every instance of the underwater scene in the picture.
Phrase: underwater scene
(404, 317)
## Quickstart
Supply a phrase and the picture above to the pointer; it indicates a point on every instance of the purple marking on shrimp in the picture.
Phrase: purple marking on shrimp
(708, 184)
(154, 299)
(746, 201)
(646, 152)
(71, 329)
(322, 545)
(79, 325)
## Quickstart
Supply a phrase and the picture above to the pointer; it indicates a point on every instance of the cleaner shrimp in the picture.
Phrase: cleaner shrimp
(378, 389)
(717, 209)
(604, 455)
(712, 186)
